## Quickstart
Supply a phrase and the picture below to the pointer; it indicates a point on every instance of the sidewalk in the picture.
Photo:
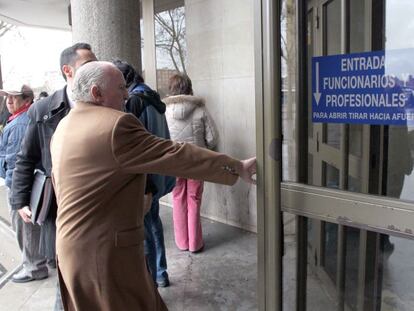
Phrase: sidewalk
(223, 277)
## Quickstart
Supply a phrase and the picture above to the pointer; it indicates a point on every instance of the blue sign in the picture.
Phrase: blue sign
(364, 88)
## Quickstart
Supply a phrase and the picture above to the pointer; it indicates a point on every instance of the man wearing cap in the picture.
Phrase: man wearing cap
(44, 117)
(18, 102)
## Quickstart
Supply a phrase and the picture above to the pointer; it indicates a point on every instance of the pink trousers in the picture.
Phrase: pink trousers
(187, 195)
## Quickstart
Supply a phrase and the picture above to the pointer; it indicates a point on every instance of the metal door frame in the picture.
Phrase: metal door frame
(268, 144)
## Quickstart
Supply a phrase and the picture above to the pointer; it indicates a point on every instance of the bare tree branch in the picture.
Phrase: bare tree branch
(170, 36)
(5, 27)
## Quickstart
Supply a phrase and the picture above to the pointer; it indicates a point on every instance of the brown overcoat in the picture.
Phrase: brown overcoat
(100, 157)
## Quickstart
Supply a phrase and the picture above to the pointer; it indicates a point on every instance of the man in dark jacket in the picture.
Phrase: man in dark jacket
(44, 117)
(146, 105)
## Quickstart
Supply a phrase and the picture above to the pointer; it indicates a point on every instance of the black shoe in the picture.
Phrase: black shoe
(164, 283)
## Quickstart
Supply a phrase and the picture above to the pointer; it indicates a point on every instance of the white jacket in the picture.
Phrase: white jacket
(189, 121)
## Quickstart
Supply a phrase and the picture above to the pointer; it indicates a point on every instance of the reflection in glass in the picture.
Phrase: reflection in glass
(398, 269)
(383, 25)
(330, 259)
(408, 182)
(355, 139)
(356, 44)
(332, 135)
(357, 26)
(310, 42)
(331, 176)
(400, 161)
(331, 180)
(317, 294)
(289, 266)
(332, 45)
(399, 35)
(310, 169)
(354, 184)
(288, 39)
(351, 270)
(399, 29)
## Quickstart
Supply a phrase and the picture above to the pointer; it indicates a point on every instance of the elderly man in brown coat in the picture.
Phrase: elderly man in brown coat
(100, 156)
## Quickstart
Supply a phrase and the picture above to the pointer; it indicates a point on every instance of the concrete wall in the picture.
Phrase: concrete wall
(220, 38)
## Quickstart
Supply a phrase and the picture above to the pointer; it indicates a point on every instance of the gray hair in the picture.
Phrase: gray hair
(86, 77)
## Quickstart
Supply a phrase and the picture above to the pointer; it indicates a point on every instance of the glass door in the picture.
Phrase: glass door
(356, 199)
(336, 157)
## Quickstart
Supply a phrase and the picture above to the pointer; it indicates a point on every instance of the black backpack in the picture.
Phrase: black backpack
(138, 101)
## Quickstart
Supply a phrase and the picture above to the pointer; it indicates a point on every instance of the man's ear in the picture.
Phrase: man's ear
(67, 71)
(96, 94)
(28, 101)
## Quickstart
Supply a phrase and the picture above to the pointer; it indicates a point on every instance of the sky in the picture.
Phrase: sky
(28, 54)
(400, 24)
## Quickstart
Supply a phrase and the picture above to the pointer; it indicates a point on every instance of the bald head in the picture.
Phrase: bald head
(100, 83)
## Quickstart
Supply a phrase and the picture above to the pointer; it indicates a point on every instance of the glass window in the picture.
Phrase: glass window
(330, 255)
(399, 140)
(399, 30)
(288, 44)
(354, 184)
(332, 46)
(398, 285)
(357, 43)
(310, 41)
(355, 139)
(357, 26)
(376, 258)
(331, 176)
(317, 291)
(332, 27)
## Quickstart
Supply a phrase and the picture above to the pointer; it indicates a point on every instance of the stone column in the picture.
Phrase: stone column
(111, 26)
(150, 60)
